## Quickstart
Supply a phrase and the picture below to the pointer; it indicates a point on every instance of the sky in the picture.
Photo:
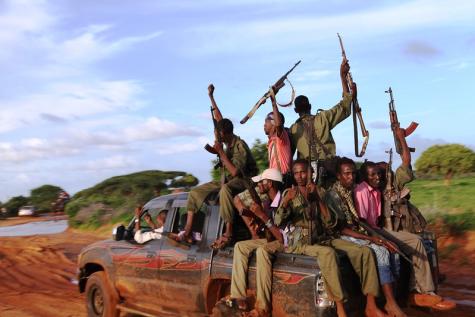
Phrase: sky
(97, 88)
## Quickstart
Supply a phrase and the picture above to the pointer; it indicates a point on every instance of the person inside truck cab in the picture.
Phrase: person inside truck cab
(156, 227)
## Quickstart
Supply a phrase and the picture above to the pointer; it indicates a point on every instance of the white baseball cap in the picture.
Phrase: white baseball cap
(270, 173)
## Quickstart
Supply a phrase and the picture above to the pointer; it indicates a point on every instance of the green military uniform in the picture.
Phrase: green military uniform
(298, 242)
(323, 122)
(241, 157)
(361, 257)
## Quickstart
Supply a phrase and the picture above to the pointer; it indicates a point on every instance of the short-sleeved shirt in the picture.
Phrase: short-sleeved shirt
(323, 122)
(368, 203)
(241, 157)
(279, 152)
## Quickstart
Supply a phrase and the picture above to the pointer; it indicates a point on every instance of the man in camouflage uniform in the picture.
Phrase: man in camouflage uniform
(311, 134)
(239, 165)
(268, 190)
(297, 210)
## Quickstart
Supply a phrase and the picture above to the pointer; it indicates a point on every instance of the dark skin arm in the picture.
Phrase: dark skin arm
(278, 126)
(344, 69)
(387, 244)
(259, 212)
(217, 114)
(225, 160)
(405, 153)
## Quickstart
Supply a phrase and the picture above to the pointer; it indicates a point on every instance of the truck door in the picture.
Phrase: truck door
(182, 265)
(137, 266)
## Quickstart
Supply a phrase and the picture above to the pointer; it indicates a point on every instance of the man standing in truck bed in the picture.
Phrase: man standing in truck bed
(239, 164)
(311, 134)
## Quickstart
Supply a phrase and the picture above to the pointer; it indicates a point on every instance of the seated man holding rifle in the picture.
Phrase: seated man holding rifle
(239, 165)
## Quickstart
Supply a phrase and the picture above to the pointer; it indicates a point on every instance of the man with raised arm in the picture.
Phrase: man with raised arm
(368, 204)
(278, 145)
(239, 165)
(311, 134)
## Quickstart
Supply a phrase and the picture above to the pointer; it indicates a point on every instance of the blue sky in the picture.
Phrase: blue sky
(93, 89)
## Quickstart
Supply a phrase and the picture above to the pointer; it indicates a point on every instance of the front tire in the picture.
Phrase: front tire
(101, 300)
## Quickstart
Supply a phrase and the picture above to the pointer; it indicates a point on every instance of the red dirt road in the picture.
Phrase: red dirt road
(37, 274)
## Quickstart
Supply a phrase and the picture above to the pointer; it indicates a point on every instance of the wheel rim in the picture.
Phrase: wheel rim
(97, 301)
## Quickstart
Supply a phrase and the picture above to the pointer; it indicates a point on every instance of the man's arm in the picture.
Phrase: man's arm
(344, 69)
(216, 112)
(259, 212)
(277, 122)
(232, 169)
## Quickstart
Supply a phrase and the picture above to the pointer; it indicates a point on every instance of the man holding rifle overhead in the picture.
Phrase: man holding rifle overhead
(239, 165)
(319, 145)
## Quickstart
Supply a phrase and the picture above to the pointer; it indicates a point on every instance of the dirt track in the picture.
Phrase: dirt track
(37, 274)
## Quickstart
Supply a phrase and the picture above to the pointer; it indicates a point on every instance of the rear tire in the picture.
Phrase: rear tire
(101, 300)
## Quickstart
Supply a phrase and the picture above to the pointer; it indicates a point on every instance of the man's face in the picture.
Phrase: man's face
(268, 127)
(346, 176)
(264, 185)
(162, 217)
(373, 177)
(300, 174)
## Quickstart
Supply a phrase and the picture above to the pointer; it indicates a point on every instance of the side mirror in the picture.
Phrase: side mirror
(118, 233)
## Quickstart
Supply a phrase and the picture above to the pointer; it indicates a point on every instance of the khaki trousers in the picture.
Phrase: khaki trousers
(363, 262)
(197, 196)
(327, 261)
(412, 245)
(264, 251)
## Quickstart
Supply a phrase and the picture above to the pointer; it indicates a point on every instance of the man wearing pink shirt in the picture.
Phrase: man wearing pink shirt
(368, 205)
(278, 146)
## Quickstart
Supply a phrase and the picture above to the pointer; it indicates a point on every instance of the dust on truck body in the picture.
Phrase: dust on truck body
(165, 278)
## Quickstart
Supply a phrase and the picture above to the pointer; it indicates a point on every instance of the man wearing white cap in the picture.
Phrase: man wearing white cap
(268, 184)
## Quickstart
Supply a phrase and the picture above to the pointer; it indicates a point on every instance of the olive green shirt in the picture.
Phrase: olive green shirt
(241, 157)
(323, 122)
(295, 214)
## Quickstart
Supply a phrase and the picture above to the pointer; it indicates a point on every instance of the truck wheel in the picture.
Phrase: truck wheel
(100, 298)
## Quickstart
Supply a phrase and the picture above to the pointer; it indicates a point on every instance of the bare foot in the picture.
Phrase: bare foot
(374, 312)
(394, 310)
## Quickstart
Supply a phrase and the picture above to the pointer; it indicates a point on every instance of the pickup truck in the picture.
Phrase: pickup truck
(165, 278)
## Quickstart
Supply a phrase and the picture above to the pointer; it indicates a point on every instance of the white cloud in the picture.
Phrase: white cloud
(112, 162)
(295, 30)
(178, 148)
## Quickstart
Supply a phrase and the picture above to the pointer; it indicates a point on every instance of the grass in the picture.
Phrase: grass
(434, 196)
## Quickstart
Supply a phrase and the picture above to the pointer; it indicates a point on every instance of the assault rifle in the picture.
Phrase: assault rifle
(395, 124)
(388, 194)
(373, 232)
(257, 200)
(277, 86)
(356, 109)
